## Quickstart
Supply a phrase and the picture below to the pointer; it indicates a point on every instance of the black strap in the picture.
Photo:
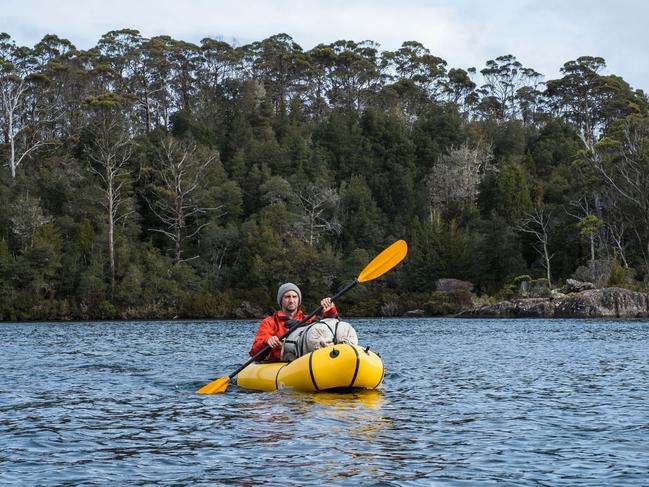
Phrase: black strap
(304, 332)
(332, 332)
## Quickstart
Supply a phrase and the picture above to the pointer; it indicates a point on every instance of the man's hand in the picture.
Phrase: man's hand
(326, 304)
(273, 342)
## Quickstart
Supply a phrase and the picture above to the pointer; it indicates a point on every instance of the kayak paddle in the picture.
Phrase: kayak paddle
(381, 264)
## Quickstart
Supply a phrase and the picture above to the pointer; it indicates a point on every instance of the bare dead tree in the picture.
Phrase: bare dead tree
(319, 205)
(181, 168)
(27, 217)
(538, 224)
(624, 168)
(23, 137)
(456, 176)
(22, 114)
(616, 230)
(110, 151)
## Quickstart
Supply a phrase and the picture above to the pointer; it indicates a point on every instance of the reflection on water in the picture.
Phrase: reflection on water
(517, 402)
(344, 400)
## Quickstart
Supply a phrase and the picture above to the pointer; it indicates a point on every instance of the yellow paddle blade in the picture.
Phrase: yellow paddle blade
(216, 387)
(385, 261)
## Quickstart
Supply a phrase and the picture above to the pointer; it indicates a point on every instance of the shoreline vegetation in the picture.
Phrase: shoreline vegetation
(618, 303)
(152, 178)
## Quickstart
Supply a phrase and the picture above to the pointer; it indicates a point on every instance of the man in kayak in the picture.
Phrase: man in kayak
(289, 298)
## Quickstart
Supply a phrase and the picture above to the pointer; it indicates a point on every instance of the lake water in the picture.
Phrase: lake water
(519, 402)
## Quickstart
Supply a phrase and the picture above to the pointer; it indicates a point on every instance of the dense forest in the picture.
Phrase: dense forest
(149, 178)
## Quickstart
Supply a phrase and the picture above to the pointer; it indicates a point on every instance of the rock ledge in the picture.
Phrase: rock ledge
(609, 302)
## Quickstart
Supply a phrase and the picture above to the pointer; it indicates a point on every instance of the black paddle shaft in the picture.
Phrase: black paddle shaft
(303, 322)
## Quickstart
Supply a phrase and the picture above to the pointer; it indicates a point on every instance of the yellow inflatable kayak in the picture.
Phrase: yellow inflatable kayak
(334, 367)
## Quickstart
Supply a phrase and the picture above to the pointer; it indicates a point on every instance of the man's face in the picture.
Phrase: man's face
(290, 302)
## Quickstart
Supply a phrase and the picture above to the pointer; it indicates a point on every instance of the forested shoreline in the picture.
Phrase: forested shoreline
(156, 178)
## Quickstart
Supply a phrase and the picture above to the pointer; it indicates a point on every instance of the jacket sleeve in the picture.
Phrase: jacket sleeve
(265, 331)
(332, 313)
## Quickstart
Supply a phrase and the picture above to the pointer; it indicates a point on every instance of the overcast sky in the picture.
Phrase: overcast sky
(542, 34)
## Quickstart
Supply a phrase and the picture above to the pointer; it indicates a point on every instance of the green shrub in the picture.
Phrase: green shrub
(104, 310)
(206, 304)
(441, 303)
(523, 278)
(617, 277)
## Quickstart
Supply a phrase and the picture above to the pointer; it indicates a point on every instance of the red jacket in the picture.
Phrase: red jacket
(275, 325)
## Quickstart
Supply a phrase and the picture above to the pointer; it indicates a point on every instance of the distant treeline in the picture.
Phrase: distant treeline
(158, 178)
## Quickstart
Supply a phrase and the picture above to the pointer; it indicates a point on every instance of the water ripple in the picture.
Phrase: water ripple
(518, 402)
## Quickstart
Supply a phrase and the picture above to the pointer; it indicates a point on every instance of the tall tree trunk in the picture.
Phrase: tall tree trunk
(111, 231)
(547, 257)
(12, 161)
(592, 248)
(178, 237)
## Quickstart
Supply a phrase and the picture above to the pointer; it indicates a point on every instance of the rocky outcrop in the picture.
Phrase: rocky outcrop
(533, 288)
(415, 313)
(608, 302)
(573, 286)
(453, 285)
(611, 302)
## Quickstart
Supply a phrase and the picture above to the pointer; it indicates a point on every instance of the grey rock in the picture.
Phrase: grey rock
(453, 285)
(536, 288)
(415, 313)
(607, 302)
(574, 286)
(556, 294)
(527, 307)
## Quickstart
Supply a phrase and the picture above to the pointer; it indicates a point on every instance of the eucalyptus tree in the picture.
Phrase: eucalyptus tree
(117, 57)
(221, 62)
(589, 100)
(414, 62)
(589, 223)
(411, 79)
(280, 63)
(21, 114)
(319, 83)
(61, 86)
(531, 105)
(352, 72)
(458, 88)
(504, 77)
(621, 160)
(185, 61)
(589, 227)
(156, 54)
(124, 66)
(109, 150)
(218, 71)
